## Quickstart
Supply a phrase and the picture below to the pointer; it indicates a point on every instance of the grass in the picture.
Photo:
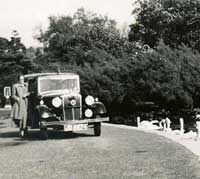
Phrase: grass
(4, 113)
(5, 120)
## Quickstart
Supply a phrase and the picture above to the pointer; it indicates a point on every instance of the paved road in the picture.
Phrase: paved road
(117, 154)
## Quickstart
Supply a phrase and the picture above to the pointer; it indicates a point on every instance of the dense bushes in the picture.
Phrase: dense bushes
(169, 77)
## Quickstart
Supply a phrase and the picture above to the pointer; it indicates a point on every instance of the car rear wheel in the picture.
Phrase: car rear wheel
(97, 129)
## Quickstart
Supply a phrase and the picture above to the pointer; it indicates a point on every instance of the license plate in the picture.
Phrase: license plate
(68, 128)
(79, 127)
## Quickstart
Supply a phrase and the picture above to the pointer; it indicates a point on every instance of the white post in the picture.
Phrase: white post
(138, 121)
(164, 126)
(160, 125)
(198, 130)
(168, 123)
(181, 126)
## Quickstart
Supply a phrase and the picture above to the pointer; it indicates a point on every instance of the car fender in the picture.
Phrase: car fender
(99, 108)
(43, 112)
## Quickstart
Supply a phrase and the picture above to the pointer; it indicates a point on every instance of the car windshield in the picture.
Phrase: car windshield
(59, 83)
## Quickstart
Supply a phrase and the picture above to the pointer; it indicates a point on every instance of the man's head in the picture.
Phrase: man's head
(21, 79)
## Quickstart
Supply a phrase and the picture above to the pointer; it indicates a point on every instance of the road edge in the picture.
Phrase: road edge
(186, 141)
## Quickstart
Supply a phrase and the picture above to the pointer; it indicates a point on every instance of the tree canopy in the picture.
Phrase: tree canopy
(157, 62)
(123, 71)
(173, 21)
(13, 60)
(92, 46)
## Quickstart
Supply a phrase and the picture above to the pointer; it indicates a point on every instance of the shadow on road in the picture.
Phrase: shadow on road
(10, 134)
(11, 144)
(141, 151)
(35, 135)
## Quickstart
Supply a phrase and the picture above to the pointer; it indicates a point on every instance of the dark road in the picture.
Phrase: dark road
(117, 154)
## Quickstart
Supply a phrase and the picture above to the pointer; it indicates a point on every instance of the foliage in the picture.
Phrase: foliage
(169, 77)
(92, 46)
(13, 60)
(81, 34)
(119, 72)
(173, 21)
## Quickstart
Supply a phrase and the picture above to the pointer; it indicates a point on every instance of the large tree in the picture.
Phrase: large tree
(118, 71)
(83, 32)
(13, 60)
(169, 77)
(173, 21)
(92, 46)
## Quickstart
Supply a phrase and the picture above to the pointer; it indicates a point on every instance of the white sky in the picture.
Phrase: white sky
(26, 15)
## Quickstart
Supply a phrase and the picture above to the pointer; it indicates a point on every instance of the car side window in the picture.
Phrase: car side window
(32, 86)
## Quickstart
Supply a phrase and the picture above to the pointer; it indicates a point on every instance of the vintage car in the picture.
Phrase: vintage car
(55, 103)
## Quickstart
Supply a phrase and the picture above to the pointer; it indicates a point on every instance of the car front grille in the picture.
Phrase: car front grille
(72, 112)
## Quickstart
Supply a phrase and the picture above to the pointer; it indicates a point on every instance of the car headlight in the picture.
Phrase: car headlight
(88, 113)
(56, 102)
(89, 100)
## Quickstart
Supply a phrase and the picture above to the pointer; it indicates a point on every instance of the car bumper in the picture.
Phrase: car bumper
(74, 122)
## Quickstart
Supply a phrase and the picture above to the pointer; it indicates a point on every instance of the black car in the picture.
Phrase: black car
(55, 103)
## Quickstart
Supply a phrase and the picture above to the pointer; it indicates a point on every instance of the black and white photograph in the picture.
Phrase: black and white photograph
(100, 89)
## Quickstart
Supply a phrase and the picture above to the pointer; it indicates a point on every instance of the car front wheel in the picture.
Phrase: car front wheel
(43, 134)
(97, 129)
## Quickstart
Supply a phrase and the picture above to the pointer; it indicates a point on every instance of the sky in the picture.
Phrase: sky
(26, 16)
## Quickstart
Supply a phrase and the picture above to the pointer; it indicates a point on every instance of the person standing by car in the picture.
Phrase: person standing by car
(19, 112)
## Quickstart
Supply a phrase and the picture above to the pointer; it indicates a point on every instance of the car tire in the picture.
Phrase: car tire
(26, 131)
(97, 129)
(43, 134)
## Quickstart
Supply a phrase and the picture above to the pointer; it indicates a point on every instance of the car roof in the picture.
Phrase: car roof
(36, 75)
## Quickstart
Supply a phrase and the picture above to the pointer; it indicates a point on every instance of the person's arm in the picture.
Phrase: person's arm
(26, 95)
(26, 91)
